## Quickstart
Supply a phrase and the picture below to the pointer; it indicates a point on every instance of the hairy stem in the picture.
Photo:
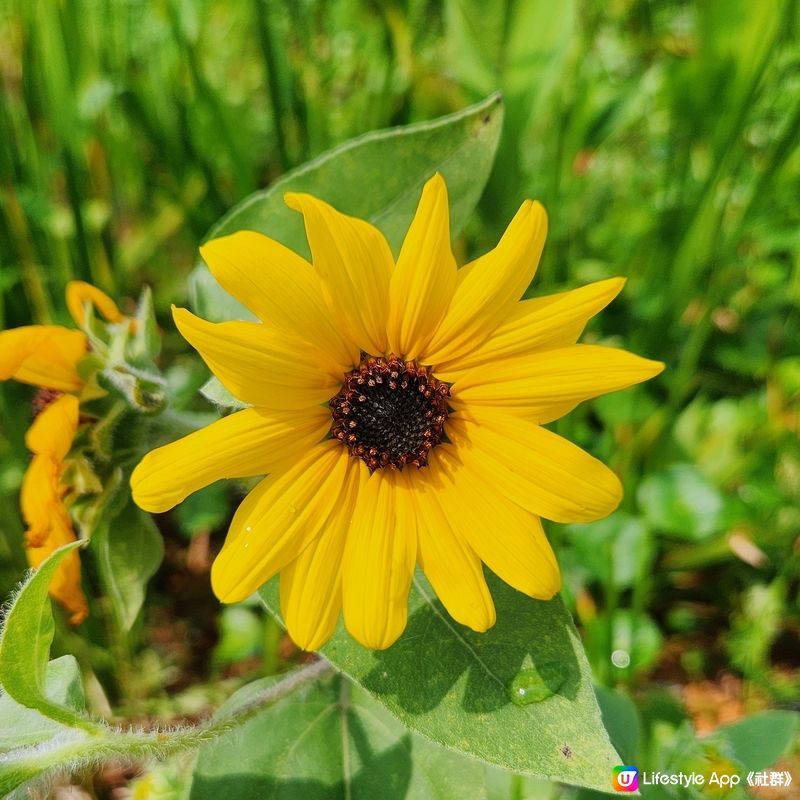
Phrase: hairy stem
(82, 751)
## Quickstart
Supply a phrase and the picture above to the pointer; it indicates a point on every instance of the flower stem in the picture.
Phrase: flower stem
(81, 751)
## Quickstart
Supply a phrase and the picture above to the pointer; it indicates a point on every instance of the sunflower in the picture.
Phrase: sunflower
(47, 356)
(397, 410)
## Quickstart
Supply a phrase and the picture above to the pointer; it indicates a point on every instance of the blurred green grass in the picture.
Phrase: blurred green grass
(661, 136)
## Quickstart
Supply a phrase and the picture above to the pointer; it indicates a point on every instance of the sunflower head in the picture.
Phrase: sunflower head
(390, 412)
(397, 409)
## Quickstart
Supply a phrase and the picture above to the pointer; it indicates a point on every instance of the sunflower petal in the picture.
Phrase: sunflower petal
(249, 442)
(551, 321)
(488, 289)
(538, 470)
(54, 428)
(311, 614)
(260, 366)
(282, 516)
(65, 587)
(507, 538)
(79, 293)
(424, 279)
(379, 559)
(279, 287)
(450, 564)
(354, 264)
(568, 375)
(40, 498)
(42, 355)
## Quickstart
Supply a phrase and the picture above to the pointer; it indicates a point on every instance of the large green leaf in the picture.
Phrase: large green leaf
(758, 741)
(621, 720)
(23, 726)
(327, 742)
(129, 550)
(377, 177)
(681, 501)
(25, 646)
(456, 686)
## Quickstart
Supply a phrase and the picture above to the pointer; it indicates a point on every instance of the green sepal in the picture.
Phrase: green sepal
(142, 391)
(145, 344)
(216, 393)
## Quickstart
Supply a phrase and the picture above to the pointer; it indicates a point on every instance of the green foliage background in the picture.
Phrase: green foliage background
(662, 137)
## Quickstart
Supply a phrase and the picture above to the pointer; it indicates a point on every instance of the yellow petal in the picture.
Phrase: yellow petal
(565, 376)
(249, 442)
(66, 584)
(40, 497)
(282, 516)
(54, 428)
(425, 276)
(450, 564)
(311, 585)
(258, 365)
(507, 538)
(538, 470)
(279, 287)
(42, 355)
(488, 289)
(379, 559)
(541, 322)
(79, 293)
(354, 264)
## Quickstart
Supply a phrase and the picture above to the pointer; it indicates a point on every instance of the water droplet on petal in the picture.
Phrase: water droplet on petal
(537, 683)
(248, 529)
(292, 510)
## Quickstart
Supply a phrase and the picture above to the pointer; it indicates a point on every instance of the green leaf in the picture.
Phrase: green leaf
(456, 686)
(23, 726)
(25, 645)
(504, 785)
(204, 510)
(621, 720)
(378, 177)
(682, 502)
(241, 635)
(129, 550)
(327, 742)
(618, 547)
(758, 741)
(635, 634)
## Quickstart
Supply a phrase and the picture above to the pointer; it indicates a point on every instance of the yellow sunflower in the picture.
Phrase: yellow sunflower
(47, 356)
(397, 409)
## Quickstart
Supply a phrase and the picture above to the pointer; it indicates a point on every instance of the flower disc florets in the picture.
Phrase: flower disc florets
(390, 412)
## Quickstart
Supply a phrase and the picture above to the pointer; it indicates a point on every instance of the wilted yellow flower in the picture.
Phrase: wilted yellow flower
(49, 439)
(47, 356)
(398, 409)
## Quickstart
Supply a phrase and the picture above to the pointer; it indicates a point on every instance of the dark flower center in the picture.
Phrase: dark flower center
(390, 412)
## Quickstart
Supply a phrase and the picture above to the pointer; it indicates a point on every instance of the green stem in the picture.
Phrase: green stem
(109, 743)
